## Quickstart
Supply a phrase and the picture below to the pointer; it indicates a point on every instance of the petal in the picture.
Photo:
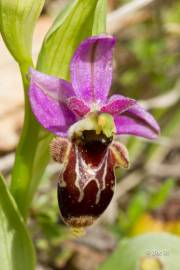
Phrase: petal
(91, 69)
(55, 88)
(118, 104)
(60, 149)
(139, 112)
(136, 121)
(52, 114)
(120, 154)
(77, 106)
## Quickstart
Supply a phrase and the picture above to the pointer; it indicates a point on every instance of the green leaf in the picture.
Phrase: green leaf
(17, 21)
(136, 208)
(137, 205)
(99, 25)
(162, 194)
(73, 25)
(129, 253)
(16, 249)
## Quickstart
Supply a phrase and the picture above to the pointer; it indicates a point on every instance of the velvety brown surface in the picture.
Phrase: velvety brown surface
(93, 151)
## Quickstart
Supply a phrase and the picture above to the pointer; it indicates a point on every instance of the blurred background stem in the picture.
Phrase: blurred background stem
(32, 154)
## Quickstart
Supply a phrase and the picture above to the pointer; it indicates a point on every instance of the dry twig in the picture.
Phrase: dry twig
(164, 170)
(118, 18)
(167, 100)
(6, 163)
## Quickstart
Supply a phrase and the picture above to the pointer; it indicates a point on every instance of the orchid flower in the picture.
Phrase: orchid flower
(85, 120)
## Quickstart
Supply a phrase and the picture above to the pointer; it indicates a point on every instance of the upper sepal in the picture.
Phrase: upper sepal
(91, 69)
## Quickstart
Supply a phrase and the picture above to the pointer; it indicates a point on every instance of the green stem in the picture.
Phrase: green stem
(22, 171)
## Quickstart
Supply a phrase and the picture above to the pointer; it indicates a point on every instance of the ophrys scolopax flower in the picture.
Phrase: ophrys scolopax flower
(86, 121)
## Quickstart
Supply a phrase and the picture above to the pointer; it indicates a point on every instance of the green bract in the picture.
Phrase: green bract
(72, 26)
(99, 24)
(17, 21)
(16, 250)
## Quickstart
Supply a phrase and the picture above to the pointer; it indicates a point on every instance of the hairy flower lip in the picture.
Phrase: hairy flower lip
(87, 179)
(86, 184)
(58, 104)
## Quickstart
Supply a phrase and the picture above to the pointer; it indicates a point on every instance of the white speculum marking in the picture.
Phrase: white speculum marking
(85, 174)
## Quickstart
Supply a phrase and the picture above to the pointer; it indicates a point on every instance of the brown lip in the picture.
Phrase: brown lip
(93, 152)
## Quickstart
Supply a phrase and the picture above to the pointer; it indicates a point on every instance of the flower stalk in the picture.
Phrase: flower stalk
(23, 166)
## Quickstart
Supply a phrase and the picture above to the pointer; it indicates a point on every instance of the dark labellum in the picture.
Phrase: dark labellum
(87, 181)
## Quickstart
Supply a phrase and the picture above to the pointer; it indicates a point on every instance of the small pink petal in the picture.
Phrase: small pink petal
(118, 104)
(77, 106)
